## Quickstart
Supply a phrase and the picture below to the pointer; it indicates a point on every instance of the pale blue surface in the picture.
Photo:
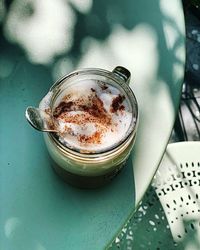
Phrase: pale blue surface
(38, 210)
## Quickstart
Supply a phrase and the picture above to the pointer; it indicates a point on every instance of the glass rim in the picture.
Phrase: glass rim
(119, 82)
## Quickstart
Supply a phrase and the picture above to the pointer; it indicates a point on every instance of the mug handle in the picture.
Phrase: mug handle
(123, 73)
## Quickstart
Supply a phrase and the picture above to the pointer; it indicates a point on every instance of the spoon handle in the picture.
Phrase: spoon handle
(40, 120)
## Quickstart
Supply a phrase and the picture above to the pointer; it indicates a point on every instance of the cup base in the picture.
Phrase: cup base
(87, 182)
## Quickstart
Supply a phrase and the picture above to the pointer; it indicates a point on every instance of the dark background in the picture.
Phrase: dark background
(187, 126)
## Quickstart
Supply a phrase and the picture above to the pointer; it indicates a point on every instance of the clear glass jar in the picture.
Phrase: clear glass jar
(90, 170)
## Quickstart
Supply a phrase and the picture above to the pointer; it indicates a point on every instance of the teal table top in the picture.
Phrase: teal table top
(38, 210)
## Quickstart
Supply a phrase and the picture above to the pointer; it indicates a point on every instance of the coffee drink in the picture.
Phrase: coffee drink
(90, 116)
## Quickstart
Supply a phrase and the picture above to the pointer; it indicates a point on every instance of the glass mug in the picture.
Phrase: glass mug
(87, 169)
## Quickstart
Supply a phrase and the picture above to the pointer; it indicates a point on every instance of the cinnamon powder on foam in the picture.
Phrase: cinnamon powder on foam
(93, 112)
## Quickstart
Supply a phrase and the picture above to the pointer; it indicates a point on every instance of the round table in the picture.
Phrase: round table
(38, 210)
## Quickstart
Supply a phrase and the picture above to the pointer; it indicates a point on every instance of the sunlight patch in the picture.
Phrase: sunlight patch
(43, 28)
(11, 225)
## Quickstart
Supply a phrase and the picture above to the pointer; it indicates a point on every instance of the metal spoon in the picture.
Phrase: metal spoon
(40, 120)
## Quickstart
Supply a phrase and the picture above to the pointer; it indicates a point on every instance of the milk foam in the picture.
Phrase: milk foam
(91, 116)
